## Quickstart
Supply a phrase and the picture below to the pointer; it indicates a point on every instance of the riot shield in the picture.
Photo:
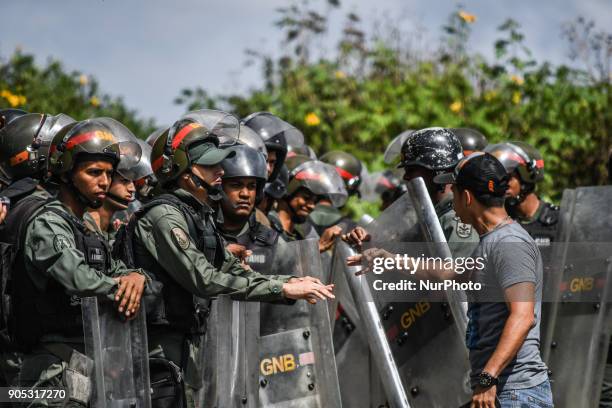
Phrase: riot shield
(297, 365)
(423, 335)
(120, 353)
(576, 354)
(228, 355)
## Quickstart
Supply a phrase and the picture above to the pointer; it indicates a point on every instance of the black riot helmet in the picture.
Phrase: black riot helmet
(276, 134)
(522, 159)
(471, 140)
(435, 148)
(7, 115)
(246, 162)
(25, 142)
(277, 189)
(252, 139)
(348, 167)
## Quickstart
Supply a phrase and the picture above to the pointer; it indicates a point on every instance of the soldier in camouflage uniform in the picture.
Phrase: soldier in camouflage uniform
(134, 165)
(24, 149)
(61, 261)
(177, 242)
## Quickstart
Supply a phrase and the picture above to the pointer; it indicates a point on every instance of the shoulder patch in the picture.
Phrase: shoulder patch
(463, 230)
(180, 237)
(61, 242)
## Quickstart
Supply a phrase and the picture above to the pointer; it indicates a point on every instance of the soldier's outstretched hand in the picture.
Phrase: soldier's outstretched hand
(366, 259)
(131, 287)
(356, 237)
(305, 278)
(328, 237)
(309, 290)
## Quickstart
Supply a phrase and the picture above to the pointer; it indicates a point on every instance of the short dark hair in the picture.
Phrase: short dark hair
(488, 200)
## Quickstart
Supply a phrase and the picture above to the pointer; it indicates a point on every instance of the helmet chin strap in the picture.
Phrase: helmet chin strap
(214, 193)
(95, 204)
(525, 190)
(118, 199)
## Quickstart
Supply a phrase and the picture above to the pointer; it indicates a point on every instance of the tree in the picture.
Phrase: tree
(51, 89)
(369, 91)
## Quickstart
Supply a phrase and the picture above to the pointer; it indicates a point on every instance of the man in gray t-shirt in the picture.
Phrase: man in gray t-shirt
(504, 316)
(511, 257)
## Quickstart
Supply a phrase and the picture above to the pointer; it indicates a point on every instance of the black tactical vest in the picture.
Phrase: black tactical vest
(261, 240)
(175, 306)
(544, 228)
(50, 310)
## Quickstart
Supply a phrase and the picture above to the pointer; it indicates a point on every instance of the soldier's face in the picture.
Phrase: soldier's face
(514, 186)
(271, 161)
(122, 188)
(241, 193)
(93, 179)
(210, 174)
(303, 203)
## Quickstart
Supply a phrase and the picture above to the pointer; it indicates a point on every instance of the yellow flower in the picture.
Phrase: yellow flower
(517, 80)
(312, 119)
(488, 96)
(340, 75)
(83, 80)
(13, 100)
(456, 106)
(516, 97)
(467, 17)
(94, 101)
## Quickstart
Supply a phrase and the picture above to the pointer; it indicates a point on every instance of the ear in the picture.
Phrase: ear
(467, 197)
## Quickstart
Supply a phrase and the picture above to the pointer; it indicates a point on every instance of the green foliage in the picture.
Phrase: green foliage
(51, 89)
(358, 99)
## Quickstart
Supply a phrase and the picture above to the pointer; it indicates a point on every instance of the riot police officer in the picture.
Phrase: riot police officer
(427, 153)
(525, 166)
(276, 135)
(244, 177)
(176, 240)
(60, 260)
(309, 182)
(24, 148)
(134, 165)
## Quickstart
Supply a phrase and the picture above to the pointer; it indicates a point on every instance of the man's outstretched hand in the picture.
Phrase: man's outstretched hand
(308, 288)
(356, 237)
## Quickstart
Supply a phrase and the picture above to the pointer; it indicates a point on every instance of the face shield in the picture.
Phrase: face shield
(321, 179)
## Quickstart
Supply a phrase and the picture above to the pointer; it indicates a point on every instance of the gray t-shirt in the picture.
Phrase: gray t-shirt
(511, 257)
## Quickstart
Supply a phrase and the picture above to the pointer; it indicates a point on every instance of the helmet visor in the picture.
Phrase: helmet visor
(394, 148)
(322, 179)
(218, 123)
(268, 125)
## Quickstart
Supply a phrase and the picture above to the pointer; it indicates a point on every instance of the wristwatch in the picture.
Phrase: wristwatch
(486, 380)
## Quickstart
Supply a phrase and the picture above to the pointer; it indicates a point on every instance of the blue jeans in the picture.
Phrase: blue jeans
(539, 396)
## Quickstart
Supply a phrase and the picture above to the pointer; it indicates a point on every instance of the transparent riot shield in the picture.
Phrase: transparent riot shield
(120, 354)
(577, 352)
(423, 336)
(297, 367)
(228, 355)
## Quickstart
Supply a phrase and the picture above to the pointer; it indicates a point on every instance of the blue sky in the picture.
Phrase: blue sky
(148, 50)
